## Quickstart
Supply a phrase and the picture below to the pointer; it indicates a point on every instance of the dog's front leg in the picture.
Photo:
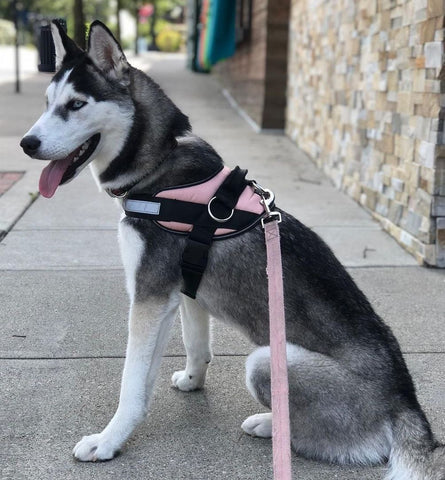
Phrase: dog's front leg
(149, 326)
(196, 336)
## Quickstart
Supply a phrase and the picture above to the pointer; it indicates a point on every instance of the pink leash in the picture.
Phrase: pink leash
(279, 382)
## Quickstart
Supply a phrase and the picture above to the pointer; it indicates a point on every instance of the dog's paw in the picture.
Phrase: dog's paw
(259, 425)
(94, 448)
(187, 383)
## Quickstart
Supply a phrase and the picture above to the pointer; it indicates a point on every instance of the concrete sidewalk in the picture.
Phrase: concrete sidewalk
(64, 310)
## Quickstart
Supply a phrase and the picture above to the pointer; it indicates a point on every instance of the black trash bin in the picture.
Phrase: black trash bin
(47, 52)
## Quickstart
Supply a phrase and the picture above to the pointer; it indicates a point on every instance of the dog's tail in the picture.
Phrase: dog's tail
(414, 453)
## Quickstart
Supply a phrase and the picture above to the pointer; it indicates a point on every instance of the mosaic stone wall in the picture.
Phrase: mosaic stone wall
(367, 103)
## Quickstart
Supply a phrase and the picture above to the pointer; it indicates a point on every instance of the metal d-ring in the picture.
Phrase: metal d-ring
(219, 220)
(116, 193)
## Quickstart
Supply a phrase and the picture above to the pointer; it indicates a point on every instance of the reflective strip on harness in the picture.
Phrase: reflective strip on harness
(141, 206)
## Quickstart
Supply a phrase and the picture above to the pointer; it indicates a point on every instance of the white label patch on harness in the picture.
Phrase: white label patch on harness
(141, 206)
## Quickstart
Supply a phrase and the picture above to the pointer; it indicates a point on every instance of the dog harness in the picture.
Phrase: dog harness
(217, 208)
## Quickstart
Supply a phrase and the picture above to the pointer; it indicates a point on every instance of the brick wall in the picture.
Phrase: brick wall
(256, 75)
(364, 101)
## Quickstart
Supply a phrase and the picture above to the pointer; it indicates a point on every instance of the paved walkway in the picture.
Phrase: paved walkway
(64, 308)
(28, 61)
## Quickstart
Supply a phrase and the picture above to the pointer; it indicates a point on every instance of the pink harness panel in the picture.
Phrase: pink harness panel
(203, 193)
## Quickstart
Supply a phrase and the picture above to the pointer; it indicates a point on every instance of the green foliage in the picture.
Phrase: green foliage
(162, 6)
(93, 9)
(165, 6)
(7, 32)
(59, 8)
(169, 40)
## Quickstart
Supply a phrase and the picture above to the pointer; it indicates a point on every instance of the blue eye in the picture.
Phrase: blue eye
(75, 104)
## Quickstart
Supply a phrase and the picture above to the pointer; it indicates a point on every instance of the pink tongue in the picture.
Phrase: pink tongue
(52, 174)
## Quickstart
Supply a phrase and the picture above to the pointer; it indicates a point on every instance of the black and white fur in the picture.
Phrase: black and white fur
(352, 399)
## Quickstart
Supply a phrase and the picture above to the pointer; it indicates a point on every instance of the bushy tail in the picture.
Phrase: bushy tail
(414, 453)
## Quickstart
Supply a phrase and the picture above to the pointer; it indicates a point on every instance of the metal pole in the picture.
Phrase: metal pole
(17, 56)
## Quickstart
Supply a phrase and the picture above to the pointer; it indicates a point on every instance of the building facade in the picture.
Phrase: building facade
(256, 76)
(359, 85)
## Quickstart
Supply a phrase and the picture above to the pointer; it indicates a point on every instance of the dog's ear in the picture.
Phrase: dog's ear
(107, 54)
(65, 47)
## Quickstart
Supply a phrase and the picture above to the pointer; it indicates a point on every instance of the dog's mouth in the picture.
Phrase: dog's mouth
(58, 172)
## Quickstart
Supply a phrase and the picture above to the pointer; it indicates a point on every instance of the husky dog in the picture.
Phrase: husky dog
(352, 399)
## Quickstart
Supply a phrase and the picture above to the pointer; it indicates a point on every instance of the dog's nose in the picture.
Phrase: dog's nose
(30, 144)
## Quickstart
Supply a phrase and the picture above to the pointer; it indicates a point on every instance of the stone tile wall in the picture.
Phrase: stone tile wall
(366, 102)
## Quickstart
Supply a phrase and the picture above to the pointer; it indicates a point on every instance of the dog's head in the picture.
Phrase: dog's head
(89, 108)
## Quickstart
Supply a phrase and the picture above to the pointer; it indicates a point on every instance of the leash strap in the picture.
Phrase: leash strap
(281, 442)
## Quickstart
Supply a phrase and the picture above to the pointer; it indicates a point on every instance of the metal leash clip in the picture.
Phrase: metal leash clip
(268, 199)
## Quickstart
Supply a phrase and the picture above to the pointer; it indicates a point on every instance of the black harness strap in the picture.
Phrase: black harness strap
(169, 210)
(196, 252)
(219, 213)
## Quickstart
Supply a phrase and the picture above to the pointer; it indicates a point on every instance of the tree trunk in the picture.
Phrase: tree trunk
(153, 18)
(79, 23)
(136, 46)
(118, 23)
